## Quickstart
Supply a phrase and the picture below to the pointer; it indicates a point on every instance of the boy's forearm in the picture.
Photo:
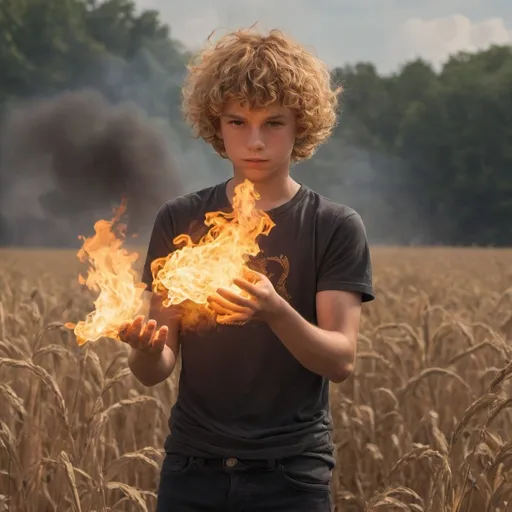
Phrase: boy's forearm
(326, 353)
(151, 369)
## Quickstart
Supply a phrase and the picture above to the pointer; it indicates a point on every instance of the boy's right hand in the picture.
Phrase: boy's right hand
(144, 338)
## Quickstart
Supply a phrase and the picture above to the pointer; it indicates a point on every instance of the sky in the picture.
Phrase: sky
(385, 32)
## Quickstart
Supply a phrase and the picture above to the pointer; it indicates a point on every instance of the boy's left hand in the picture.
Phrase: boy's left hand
(263, 304)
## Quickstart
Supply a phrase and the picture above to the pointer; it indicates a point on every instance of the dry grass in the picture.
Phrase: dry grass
(423, 425)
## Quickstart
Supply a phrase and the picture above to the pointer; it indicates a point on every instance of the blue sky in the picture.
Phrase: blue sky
(386, 32)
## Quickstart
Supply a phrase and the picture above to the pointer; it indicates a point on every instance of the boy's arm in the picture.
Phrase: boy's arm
(328, 349)
(152, 368)
(344, 282)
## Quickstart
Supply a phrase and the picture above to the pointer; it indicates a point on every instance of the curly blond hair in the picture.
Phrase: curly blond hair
(259, 71)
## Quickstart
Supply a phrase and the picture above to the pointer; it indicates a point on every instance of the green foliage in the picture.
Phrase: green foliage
(47, 46)
(452, 135)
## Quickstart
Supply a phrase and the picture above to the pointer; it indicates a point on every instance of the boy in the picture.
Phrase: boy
(250, 430)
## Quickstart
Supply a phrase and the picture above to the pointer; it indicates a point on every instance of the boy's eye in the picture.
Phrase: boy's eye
(238, 122)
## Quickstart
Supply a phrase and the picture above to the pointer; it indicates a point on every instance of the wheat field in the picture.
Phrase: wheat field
(424, 423)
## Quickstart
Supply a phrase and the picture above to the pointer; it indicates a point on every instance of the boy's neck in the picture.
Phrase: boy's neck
(273, 193)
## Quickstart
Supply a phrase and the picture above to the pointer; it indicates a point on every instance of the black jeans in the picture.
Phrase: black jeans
(191, 484)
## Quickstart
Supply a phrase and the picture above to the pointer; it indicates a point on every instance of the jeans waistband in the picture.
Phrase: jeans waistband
(233, 463)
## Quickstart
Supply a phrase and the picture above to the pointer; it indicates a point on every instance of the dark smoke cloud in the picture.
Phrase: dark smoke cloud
(67, 161)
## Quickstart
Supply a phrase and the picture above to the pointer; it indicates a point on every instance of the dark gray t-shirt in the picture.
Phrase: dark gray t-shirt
(241, 392)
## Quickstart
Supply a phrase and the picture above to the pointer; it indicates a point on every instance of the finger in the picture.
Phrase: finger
(134, 329)
(161, 335)
(127, 332)
(230, 310)
(217, 308)
(139, 319)
(237, 299)
(251, 275)
(248, 287)
(148, 332)
(159, 339)
(235, 317)
(229, 305)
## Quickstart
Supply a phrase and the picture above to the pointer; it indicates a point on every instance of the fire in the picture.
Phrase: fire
(185, 277)
(111, 274)
(197, 270)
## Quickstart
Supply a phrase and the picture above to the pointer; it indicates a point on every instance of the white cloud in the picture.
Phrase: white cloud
(436, 39)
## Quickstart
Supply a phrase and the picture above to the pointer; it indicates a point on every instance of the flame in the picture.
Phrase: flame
(111, 274)
(197, 270)
(185, 278)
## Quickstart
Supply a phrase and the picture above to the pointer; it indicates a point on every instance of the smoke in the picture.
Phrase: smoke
(375, 184)
(69, 160)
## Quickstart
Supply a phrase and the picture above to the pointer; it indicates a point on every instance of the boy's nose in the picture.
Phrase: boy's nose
(256, 142)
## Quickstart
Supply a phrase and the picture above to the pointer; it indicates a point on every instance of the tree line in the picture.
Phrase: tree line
(425, 156)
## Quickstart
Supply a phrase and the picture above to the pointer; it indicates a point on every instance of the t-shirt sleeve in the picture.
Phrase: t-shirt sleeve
(160, 243)
(346, 263)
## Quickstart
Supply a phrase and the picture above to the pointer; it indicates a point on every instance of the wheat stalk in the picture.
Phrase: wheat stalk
(423, 424)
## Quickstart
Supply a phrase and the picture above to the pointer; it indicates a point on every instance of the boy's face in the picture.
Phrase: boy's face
(259, 143)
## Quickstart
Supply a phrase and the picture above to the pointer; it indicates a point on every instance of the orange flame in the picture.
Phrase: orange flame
(111, 273)
(185, 278)
(197, 270)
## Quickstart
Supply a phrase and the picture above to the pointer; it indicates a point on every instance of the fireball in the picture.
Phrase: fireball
(186, 276)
